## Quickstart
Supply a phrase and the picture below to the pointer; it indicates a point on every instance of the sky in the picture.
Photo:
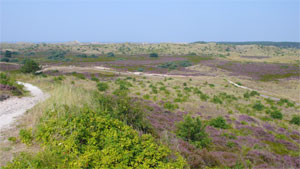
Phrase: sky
(149, 20)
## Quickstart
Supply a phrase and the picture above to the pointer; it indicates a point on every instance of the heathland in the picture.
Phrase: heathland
(164, 105)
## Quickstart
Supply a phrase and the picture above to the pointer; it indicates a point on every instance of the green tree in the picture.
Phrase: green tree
(30, 66)
(153, 55)
(110, 54)
(192, 130)
(8, 54)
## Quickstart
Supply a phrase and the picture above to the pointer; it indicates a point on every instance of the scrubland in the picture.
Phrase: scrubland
(179, 111)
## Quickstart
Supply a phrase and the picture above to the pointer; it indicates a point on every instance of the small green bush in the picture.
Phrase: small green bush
(219, 122)
(26, 136)
(217, 100)
(258, 106)
(192, 130)
(153, 55)
(295, 120)
(102, 86)
(276, 114)
(170, 106)
(110, 54)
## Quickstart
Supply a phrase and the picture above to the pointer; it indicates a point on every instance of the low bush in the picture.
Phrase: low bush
(153, 55)
(193, 131)
(295, 120)
(88, 139)
(258, 106)
(276, 114)
(170, 106)
(110, 54)
(217, 100)
(102, 86)
(286, 102)
(78, 75)
(26, 136)
(219, 122)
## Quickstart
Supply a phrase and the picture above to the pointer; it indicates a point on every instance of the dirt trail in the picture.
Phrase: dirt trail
(14, 107)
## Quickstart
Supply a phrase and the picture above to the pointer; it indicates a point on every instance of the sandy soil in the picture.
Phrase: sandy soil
(14, 107)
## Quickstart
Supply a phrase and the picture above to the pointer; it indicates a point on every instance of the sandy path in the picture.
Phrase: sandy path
(14, 107)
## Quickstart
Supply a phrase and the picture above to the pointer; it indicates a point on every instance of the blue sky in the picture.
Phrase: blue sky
(149, 20)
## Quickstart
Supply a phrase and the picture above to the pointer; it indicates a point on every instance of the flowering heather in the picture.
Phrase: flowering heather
(289, 145)
(268, 127)
(226, 158)
(248, 141)
(247, 118)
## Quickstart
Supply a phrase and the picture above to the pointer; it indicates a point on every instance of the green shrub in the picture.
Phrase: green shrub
(30, 66)
(204, 97)
(216, 100)
(276, 114)
(295, 120)
(170, 106)
(219, 122)
(258, 106)
(153, 55)
(288, 103)
(78, 75)
(192, 130)
(4, 59)
(89, 139)
(93, 78)
(26, 136)
(140, 69)
(102, 86)
(110, 54)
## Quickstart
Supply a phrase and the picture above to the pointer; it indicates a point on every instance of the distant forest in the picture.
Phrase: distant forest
(263, 43)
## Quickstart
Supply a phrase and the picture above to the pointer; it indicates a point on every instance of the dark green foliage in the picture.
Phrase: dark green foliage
(258, 106)
(219, 122)
(81, 55)
(153, 55)
(266, 43)
(86, 56)
(57, 55)
(8, 54)
(211, 85)
(93, 78)
(59, 78)
(295, 120)
(286, 102)
(217, 100)
(30, 66)
(110, 54)
(175, 65)
(78, 75)
(227, 97)
(102, 86)
(192, 130)
(140, 69)
(170, 106)
(4, 59)
(276, 114)
(247, 95)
